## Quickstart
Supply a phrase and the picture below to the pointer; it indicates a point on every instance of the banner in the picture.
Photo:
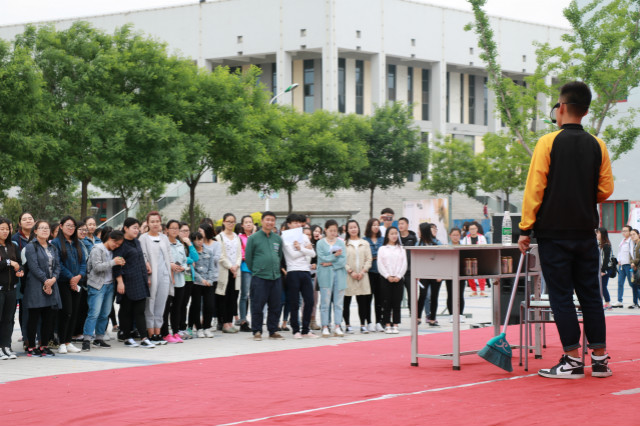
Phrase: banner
(433, 211)
(634, 214)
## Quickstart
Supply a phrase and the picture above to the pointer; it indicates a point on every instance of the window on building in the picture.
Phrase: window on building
(391, 82)
(341, 85)
(448, 97)
(274, 78)
(410, 85)
(425, 94)
(461, 98)
(309, 88)
(486, 102)
(359, 87)
(233, 70)
(472, 99)
(614, 214)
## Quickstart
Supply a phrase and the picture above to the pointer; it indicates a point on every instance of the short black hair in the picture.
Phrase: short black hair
(331, 222)
(577, 96)
(405, 219)
(387, 210)
(295, 217)
(628, 227)
(268, 213)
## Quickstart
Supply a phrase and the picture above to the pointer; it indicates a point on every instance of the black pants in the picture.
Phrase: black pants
(42, 317)
(463, 284)
(112, 315)
(130, 311)
(7, 313)
(202, 297)
(375, 280)
(265, 292)
(83, 310)
(392, 299)
(68, 315)
(569, 265)
(364, 309)
(172, 311)
(227, 304)
(299, 282)
(433, 301)
(186, 298)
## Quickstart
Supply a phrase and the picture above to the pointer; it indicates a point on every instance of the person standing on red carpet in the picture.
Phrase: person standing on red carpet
(570, 173)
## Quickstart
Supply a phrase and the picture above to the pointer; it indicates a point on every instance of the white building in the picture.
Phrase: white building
(350, 55)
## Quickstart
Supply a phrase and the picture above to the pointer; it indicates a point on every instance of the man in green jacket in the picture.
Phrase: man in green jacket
(263, 255)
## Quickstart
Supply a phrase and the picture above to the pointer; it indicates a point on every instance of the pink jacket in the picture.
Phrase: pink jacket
(392, 261)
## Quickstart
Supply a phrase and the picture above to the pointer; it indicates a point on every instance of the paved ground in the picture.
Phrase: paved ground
(477, 309)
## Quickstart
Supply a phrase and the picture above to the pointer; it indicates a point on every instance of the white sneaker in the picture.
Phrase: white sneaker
(310, 335)
(616, 305)
(130, 343)
(379, 327)
(207, 333)
(62, 349)
(200, 334)
(325, 332)
(364, 330)
(3, 357)
(372, 328)
(9, 353)
(72, 349)
(297, 335)
(349, 330)
(146, 343)
(388, 330)
(394, 330)
(337, 332)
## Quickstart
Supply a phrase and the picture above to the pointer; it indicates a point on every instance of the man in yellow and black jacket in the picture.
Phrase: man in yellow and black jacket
(570, 174)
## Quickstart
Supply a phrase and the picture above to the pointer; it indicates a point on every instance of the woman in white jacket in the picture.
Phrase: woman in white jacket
(392, 265)
(473, 237)
(229, 277)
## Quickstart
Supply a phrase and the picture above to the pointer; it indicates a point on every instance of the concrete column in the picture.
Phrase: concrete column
(284, 76)
(330, 60)
(439, 98)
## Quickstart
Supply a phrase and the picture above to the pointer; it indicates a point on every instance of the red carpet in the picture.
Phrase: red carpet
(366, 383)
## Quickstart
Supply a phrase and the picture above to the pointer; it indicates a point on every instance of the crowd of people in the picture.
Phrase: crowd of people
(162, 282)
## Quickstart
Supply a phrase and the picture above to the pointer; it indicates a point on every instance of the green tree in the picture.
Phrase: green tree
(300, 147)
(453, 169)
(50, 204)
(96, 86)
(503, 165)
(393, 150)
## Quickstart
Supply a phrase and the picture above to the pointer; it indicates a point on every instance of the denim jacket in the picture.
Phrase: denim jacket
(206, 267)
(70, 267)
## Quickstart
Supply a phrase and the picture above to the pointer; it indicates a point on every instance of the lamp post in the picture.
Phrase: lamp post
(287, 90)
(266, 191)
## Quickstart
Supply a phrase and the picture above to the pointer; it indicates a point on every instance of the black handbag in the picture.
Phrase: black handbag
(612, 269)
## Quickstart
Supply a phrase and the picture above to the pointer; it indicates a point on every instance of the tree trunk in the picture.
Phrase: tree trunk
(84, 198)
(290, 200)
(506, 201)
(373, 188)
(192, 203)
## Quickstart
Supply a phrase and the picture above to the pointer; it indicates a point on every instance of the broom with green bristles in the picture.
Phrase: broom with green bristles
(498, 350)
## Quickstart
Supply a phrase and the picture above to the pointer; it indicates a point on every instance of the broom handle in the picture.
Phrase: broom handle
(513, 291)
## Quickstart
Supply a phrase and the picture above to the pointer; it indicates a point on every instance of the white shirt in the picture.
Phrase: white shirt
(624, 251)
(392, 261)
(299, 260)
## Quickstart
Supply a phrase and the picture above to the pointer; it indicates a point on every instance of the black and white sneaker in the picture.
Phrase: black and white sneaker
(8, 353)
(130, 343)
(158, 340)
(146, 343)
(600, 366)
(86, 346)
(101, 344)
(567, 368)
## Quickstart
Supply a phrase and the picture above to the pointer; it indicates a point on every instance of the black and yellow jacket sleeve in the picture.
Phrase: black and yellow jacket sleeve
(570, 173)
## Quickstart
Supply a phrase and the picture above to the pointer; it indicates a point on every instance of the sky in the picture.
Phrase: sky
(25, 11)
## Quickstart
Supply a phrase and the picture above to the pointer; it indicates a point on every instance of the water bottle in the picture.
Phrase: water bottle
(506, 229)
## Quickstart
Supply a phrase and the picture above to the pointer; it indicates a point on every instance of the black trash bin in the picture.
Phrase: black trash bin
(506, 285)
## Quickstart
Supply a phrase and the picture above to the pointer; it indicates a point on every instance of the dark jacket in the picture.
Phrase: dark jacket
(70, 266)
(606, 257)
(21, 242)
(8, 279)
(570, 174)
(409, 241)
(134, 272)
(38, 263)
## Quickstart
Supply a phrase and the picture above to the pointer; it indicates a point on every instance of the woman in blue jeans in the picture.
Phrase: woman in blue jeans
(101, 289)
(332, 277)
